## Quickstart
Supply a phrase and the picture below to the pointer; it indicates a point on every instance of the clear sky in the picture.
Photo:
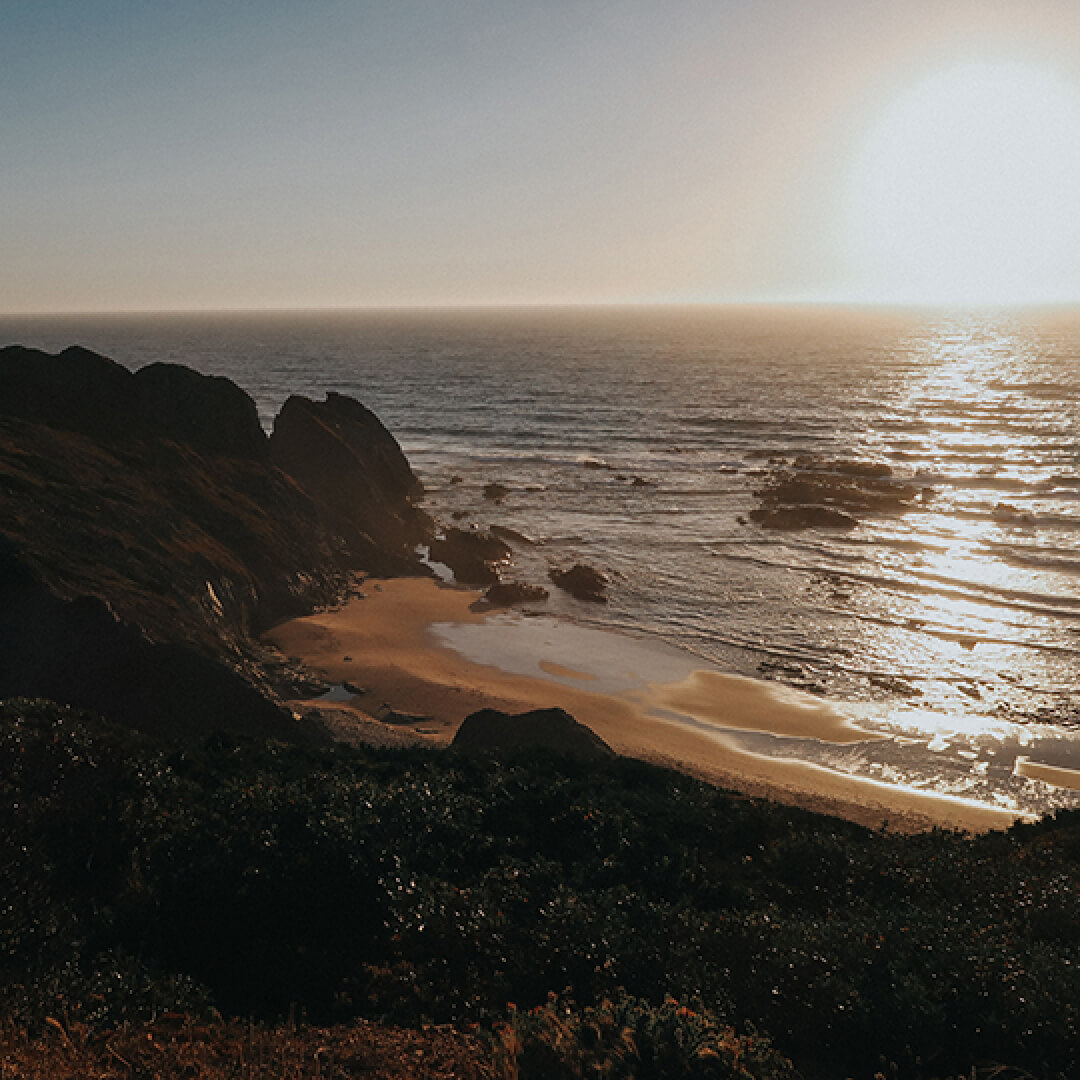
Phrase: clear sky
(318, 153)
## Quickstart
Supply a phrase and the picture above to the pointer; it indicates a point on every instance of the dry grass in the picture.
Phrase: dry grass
(177, 1048)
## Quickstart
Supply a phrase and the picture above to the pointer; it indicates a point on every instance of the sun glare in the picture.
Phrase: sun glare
(967, 191)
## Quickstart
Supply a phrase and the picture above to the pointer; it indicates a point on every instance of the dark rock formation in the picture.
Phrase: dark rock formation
(78, 390)
(496, 492)
(582, 582)
(78, 652)
(341, 455)
(801, 516)
(512, 593)
(473, 555)
(504, 735)
(811, 492)
(146, 538)
(209, 413)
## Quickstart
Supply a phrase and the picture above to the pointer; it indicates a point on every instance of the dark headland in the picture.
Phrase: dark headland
(195, 873)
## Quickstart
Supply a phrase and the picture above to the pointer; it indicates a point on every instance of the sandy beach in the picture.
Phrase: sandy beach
(420, 652)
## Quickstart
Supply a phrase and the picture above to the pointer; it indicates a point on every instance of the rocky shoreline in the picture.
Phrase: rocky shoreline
(150, 531)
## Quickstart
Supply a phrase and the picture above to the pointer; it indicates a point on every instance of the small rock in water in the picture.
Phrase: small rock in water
(496, 492)
(582, 582)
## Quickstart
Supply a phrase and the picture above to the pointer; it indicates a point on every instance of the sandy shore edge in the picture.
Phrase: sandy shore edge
(382, 641)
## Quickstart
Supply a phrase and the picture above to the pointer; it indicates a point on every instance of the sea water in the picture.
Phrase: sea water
(639, 440)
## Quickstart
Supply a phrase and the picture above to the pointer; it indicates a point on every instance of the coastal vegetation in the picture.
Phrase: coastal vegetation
(263, 880)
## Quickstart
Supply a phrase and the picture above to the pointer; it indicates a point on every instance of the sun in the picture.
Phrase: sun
(966, 190)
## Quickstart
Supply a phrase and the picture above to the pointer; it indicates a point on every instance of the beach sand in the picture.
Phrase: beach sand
(425, 660)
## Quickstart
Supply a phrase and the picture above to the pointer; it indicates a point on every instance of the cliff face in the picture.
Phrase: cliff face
(146, 536)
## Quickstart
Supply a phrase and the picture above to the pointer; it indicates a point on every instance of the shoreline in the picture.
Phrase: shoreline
(417, 648)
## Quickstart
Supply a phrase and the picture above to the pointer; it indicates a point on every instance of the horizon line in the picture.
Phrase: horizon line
(510, 306)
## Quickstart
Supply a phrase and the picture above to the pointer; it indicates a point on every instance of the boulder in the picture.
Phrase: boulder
(582, 582)
(496, 492)
(501, 734)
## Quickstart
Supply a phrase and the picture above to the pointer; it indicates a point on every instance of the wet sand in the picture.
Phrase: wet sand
(417, 648)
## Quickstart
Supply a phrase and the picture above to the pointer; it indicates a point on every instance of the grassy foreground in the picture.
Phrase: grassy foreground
(672, 921)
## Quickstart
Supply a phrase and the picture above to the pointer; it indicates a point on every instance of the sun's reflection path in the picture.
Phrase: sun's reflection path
(975, 596)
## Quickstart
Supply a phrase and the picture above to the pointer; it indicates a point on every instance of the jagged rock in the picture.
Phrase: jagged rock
(512, 593)
(75, 390)
(78, 390)
(472, 555)
(501, 734)
(582, 582)
(339, 452)
(496, 492)
(209, 413)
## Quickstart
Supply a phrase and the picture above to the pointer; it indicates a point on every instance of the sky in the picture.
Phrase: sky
(257, 155)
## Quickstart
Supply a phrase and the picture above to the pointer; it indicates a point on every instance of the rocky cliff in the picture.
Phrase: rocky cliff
(149, 529)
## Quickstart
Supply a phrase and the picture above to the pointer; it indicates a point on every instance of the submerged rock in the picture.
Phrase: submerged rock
(816, 493)
(582, 582)
(496, 492)
(501, 734)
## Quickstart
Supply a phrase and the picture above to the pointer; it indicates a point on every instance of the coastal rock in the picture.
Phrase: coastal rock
(78, 390)
(75, 390)
(473, 555)
(209, 413)
(496, 492)
(339, 452)
(513, 593)
(146, 539)
(501, 734)
(582, 582)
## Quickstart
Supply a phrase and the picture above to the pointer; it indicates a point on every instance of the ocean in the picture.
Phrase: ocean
(936, 598)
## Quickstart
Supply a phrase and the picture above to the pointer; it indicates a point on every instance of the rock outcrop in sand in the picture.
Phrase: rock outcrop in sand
(146, 536)
(501, 734)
